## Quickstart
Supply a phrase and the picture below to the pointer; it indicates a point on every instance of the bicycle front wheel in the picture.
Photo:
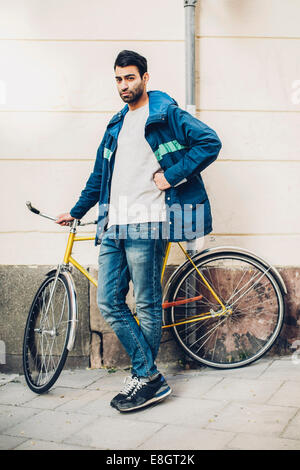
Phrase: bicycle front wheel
(254, 310)
(46, 333)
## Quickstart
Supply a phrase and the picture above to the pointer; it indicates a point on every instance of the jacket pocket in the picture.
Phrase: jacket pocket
(190, 192)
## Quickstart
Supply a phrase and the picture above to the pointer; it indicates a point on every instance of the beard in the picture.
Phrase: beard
(134, 94)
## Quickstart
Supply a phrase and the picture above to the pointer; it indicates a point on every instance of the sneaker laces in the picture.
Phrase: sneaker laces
(139, 384)
(130, 385)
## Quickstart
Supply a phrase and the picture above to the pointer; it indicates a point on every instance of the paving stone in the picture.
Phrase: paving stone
(183, 411)
(15, 393)
(193, 387)
(252, 371)
(31, 444)
(286, 369)
(292, 431)
(6, 378)
(9, 442)
(289, 389)
(253, 418)
(176, 437)
(110, 433)
(245, 441)
(100, 405)
(50, 425)
(80, 402)
(12, 415)
(54, 398)
(79, 378)
(176, 368)
(249, 390)
(111, 381)
(253, 407)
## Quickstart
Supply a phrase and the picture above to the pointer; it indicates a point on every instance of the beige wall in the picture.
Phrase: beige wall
(57, 93)
(248, 79)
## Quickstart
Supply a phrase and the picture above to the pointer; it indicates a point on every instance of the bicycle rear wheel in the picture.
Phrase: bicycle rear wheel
(46, 333)
(254, 303)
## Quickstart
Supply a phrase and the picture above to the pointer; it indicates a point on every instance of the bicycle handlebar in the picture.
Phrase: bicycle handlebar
(36, 211)
(32, 209)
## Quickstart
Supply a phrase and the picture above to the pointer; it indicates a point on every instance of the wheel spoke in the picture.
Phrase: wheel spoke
(251, 321)
(46, 334)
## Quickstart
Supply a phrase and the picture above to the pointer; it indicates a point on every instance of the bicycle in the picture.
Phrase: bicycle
(225, 306)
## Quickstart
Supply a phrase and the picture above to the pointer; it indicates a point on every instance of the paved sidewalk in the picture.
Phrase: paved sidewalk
(257, 407)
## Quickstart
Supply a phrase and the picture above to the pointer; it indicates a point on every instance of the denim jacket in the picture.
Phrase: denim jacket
(183, 146)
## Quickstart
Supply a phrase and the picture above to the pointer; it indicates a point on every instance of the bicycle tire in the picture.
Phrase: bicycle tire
(47, 333)
(239, 338)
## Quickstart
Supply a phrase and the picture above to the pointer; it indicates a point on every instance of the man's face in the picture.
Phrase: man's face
(129, 83)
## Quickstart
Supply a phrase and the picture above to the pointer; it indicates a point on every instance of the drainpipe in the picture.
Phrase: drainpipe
(190, 102)
(190, 106)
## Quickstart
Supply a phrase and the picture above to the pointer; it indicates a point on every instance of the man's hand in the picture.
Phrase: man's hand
(160, 181)
(64, 219)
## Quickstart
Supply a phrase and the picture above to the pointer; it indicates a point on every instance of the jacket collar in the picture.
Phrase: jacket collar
(158, 106)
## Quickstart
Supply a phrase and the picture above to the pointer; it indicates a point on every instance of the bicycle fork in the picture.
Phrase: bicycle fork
(63, 269)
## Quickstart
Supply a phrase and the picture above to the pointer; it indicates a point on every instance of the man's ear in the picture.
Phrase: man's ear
(146, 78)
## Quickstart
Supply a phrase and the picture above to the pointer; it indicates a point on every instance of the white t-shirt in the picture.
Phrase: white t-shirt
(134, 197)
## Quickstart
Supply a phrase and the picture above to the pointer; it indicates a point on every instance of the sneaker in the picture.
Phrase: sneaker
(145, 393)
(131, 382)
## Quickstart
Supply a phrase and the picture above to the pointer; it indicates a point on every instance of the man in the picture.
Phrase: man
(147, 181)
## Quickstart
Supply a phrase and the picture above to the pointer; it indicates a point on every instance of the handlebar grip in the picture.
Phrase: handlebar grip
(32, 209)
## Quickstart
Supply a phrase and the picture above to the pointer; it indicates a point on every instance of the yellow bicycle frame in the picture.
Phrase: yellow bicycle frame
(69, 259)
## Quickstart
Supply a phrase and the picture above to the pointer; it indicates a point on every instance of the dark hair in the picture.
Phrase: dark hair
(126, 58)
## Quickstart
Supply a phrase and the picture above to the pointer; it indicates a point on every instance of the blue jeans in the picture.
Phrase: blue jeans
(135, 252)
